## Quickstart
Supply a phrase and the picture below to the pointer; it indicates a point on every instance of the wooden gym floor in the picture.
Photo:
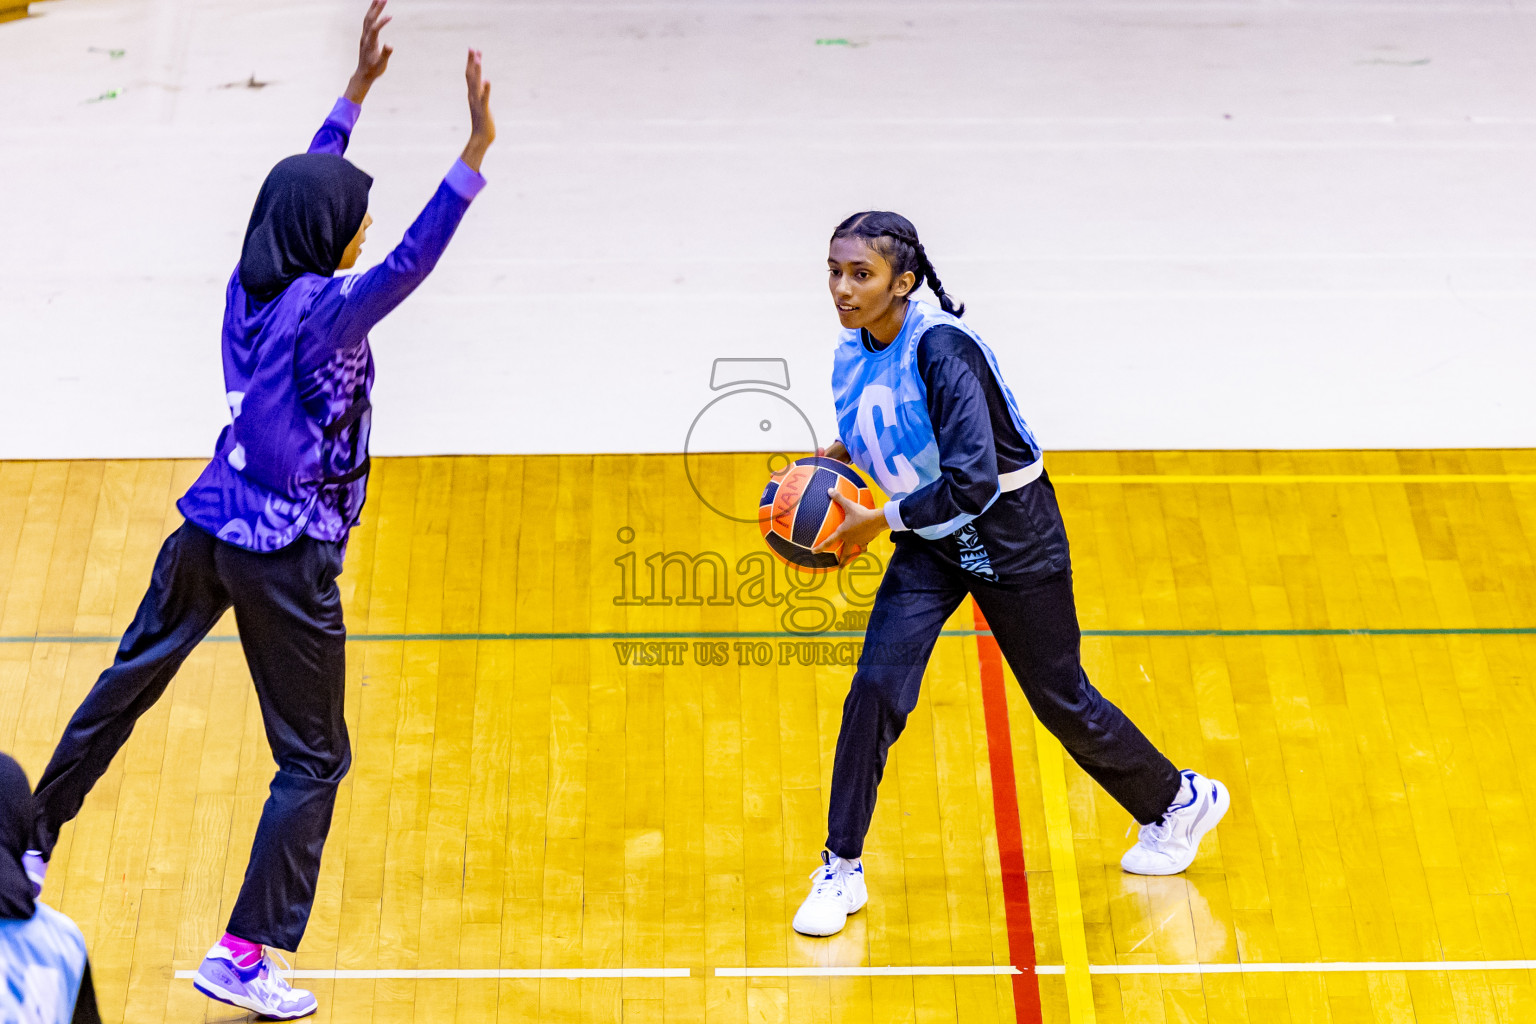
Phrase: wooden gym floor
(1347, 639)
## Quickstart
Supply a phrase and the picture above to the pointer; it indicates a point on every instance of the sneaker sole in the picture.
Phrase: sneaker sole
(212, 991)
(1219, 811)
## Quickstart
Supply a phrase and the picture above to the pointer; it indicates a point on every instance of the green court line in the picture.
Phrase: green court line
(704, 634)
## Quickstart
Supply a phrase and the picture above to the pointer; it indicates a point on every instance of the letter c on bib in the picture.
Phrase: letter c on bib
(898, 477)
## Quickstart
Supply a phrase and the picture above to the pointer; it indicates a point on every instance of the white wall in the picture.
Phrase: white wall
(1180, 225)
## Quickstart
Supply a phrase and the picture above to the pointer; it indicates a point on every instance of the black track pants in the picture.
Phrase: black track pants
(288, 610)
(1036, 628)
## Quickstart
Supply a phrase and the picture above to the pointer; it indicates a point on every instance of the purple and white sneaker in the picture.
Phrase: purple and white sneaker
(33, 864)
(260, 988)
(1167, 847)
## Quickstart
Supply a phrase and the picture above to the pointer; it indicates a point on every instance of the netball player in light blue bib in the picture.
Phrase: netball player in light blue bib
(45, 976)
(922, 408)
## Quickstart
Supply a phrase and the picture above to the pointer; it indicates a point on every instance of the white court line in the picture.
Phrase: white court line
(493, 975)
(858, 972)
(1341, 967)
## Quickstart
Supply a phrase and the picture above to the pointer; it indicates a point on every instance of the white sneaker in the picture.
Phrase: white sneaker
(1168, 847)
(838, 891)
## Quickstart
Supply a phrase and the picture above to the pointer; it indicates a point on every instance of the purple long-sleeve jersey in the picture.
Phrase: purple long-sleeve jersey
(298, 372)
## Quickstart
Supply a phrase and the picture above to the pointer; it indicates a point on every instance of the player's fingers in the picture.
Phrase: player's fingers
(842, 502)
(833, 539)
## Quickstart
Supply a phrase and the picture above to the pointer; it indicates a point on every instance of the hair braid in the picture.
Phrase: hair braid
(931, 279)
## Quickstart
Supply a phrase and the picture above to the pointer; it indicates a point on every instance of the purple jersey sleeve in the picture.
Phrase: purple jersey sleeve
(336, 132)
(350, 305)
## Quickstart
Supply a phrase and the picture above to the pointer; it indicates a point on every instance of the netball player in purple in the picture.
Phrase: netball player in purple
(267, 522)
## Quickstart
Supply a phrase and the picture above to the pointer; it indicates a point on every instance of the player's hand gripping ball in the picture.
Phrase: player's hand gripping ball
(796, 512)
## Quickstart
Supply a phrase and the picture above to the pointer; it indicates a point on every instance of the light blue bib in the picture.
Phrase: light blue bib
(882, 408)
(42, 962)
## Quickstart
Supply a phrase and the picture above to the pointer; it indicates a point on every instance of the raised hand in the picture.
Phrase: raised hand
(482, 126)
(372, 55)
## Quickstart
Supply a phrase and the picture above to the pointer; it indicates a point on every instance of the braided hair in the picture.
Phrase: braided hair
(894, 237)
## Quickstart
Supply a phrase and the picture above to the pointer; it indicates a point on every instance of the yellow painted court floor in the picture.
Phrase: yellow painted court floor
(1347, 639)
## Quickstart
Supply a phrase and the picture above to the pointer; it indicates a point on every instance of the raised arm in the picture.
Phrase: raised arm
(367, 298)
(372, 55)
(372, 60)
(482, 126)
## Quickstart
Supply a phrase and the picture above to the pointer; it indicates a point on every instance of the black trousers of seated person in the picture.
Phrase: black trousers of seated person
(288, 610)
(1035, 625)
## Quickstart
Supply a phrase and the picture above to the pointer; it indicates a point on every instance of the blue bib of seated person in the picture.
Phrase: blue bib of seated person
(42, 964)
(882, 403)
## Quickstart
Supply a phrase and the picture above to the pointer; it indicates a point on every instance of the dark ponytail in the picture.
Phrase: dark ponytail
(894, 237)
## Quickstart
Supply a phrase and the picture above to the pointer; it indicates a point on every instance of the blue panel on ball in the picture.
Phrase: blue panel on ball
(797, 555)
(842, 469)
(811, 513)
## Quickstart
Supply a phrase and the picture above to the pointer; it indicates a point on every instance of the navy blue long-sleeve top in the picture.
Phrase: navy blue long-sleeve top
(978, 440)
(1021, 533)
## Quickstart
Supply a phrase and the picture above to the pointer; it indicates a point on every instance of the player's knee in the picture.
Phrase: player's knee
(1083, 724)
(339, 764)
(881, 688)
(328, 766)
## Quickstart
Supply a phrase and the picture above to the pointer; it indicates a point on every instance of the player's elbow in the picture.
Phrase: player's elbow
(973, 497)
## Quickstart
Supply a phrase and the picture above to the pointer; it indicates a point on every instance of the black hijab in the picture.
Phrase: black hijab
(307, 211)
(15, 831)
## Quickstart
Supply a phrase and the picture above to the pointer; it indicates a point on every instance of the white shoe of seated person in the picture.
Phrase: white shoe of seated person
(1169, 846)
(837, 890)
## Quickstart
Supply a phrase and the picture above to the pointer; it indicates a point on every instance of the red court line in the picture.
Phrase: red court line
(1010, 838)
